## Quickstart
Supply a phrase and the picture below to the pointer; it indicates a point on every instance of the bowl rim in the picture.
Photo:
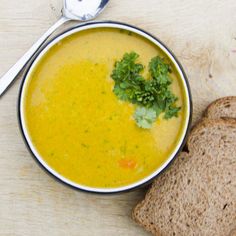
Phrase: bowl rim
(104, 24)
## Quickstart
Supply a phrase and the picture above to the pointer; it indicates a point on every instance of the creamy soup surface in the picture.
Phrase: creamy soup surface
(79, 126)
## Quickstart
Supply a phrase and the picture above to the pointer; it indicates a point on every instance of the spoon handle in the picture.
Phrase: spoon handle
(12, 73)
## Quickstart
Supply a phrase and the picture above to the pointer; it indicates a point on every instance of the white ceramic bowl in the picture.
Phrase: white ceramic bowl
(107, 24)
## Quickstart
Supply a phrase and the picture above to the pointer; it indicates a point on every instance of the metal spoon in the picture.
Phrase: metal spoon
(81, 10)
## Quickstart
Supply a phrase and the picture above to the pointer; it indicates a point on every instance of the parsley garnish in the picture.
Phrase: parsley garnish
(145, 117)
(152, 96)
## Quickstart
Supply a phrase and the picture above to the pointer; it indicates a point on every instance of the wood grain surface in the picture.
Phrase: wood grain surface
(201, 33)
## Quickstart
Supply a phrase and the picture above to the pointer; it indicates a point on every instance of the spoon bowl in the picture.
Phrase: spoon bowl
(83, 10)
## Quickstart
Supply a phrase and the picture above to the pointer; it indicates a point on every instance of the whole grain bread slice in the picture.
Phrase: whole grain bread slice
(223, 107)
(197, 194)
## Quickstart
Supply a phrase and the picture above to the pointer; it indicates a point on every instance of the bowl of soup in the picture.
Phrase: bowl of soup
(75, 126)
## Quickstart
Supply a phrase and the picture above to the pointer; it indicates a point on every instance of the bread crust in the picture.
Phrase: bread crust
(222, 107)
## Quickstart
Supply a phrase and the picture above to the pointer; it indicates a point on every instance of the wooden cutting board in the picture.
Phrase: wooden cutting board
(201, 33)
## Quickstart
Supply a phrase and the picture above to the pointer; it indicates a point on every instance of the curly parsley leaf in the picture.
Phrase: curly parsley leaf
(127, 77)
(171, 111)
(152, 96)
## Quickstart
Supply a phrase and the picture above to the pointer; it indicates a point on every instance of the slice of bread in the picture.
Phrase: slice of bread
(223, 107)
(197, 194)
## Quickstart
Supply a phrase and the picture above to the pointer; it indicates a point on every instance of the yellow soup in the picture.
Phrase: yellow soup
(79, 126)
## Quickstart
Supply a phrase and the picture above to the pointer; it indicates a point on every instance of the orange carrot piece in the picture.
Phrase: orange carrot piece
(127, 163)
